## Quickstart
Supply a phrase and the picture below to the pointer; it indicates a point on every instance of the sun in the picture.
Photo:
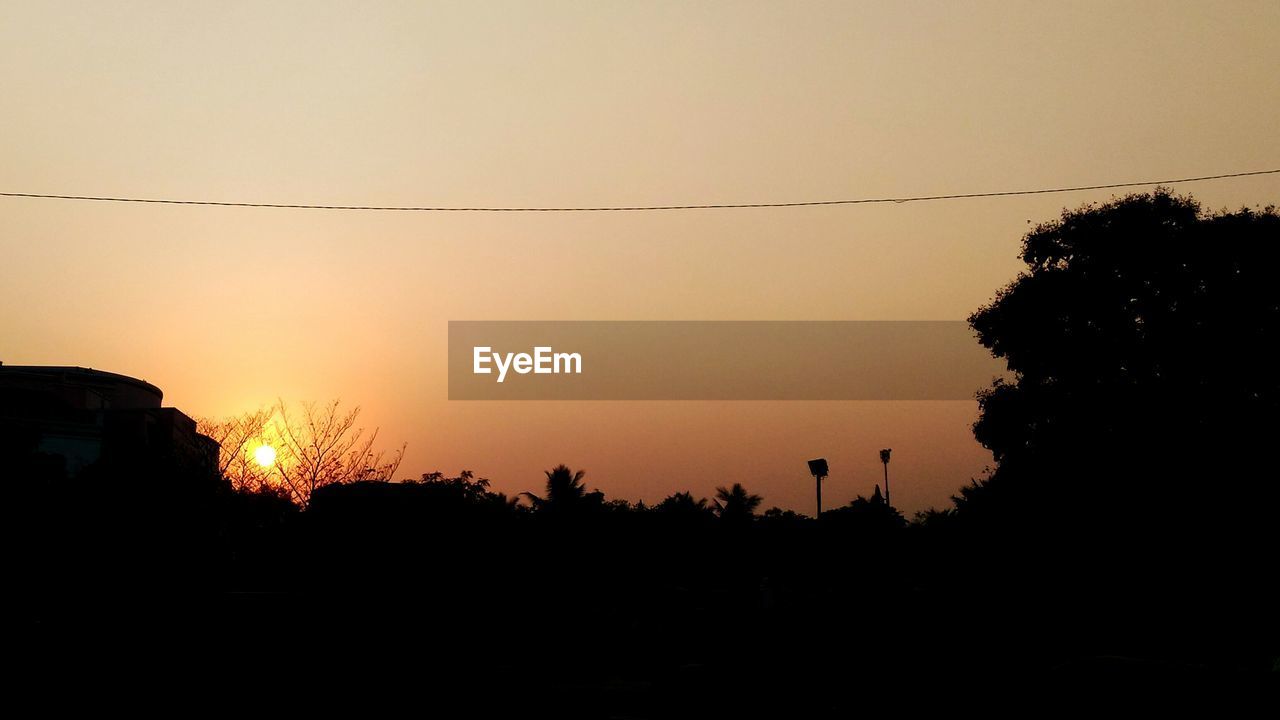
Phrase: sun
(265, 456)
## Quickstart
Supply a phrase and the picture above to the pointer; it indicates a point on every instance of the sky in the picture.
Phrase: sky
(582, 103)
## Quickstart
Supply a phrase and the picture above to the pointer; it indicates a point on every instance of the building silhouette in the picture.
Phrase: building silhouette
(73, 418)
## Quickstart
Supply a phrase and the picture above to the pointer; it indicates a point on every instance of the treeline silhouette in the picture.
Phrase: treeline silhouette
(1127, 533)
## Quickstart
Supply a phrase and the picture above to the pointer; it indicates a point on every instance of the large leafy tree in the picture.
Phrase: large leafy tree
(1143, 340)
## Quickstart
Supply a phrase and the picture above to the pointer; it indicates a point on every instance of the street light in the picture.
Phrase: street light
(884, 458)
(818, 469)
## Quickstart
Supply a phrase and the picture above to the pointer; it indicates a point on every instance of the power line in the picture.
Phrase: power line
(639, 208)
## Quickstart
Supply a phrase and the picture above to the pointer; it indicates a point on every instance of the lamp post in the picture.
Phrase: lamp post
(818, 469)
(884, 458)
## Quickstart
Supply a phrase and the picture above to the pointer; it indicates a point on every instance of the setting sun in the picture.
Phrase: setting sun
(265, 456)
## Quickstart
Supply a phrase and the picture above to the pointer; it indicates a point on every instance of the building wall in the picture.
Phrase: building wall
(87, 417)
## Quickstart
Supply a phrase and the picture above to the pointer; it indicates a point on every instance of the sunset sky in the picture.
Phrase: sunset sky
(587, 103)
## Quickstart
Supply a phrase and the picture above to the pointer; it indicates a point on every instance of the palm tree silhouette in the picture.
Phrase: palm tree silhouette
(736, 504)
(565, 490)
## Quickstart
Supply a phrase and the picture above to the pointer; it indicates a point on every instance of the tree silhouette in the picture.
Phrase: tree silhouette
(683, 504)
(465, 489)
(867, 515)
(237, 438)
(565, 492)
(322, 446)
(735, 504)
(1143, 338)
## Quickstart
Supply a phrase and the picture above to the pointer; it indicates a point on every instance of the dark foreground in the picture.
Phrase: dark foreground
(382, 591)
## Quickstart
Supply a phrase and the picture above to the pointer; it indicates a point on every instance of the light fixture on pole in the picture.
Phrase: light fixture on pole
(818, 469)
